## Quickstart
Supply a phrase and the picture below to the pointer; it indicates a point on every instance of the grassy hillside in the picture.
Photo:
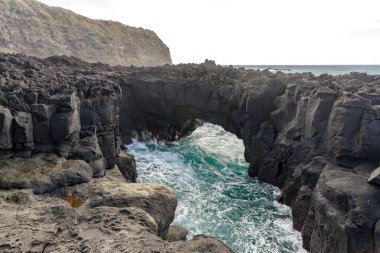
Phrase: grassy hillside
(33, 28)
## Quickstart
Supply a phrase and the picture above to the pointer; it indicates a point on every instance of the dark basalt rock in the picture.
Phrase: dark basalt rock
(315, 137)
(127, 166)
(5, 128)
(68, 113)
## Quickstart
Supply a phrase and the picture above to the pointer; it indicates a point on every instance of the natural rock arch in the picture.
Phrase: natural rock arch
(312, 136)
(166, 109)
(317, 138)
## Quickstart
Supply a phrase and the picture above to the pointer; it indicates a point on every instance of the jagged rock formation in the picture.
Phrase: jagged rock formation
(64, 183)
(43, 111)
(317, 138)
(33, 28)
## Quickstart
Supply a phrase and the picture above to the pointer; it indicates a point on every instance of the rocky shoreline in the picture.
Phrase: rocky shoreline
(65, 185)
(62, 122)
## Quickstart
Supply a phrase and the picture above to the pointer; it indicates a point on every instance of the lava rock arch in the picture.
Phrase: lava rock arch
(317, 138)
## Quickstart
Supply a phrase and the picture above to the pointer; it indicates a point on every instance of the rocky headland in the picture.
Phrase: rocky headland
(62, 122)
(33, 28)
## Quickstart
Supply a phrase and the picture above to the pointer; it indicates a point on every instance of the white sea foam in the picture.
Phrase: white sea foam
(216, 197)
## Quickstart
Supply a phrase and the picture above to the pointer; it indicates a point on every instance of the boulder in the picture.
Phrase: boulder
(158, 201)
(176, 233)
(127, 166)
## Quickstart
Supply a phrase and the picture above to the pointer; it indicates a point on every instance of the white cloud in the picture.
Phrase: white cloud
(250, 31)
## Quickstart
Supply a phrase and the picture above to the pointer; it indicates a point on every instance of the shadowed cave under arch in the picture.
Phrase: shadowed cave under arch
(298, 132)
(168, 110)
(316, 137)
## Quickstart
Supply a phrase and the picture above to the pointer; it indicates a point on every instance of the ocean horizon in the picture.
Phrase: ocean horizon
(317, 69)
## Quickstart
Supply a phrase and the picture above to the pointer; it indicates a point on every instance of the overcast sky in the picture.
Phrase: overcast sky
(251, 31)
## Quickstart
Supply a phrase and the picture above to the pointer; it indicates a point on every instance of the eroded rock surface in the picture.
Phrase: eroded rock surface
(315, 137)
(43, 173)
(61, 188)
(73, 115)
(120, 223)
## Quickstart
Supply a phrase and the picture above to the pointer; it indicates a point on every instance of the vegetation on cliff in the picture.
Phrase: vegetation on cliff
(33, 28)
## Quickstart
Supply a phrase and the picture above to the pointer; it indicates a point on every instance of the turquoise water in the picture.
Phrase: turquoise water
(216, 196)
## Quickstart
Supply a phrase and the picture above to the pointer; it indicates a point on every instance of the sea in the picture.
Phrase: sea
(317, 69)
(215, 194)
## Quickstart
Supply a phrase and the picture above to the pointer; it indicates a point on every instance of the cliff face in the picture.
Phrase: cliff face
(317, 138)
(62, 172)
(33, 28)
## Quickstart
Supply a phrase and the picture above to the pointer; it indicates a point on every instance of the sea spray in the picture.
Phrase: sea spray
(215, 194)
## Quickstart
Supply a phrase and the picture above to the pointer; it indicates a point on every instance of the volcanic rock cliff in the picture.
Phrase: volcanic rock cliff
(33, 28)
(65, 185)
(316, 137)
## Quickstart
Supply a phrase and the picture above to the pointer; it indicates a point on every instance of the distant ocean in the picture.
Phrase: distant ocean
(318, 69)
